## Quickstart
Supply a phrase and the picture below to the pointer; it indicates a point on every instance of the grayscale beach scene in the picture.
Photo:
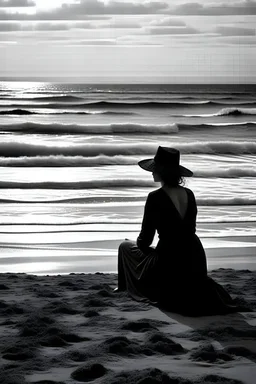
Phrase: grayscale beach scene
(87, 90)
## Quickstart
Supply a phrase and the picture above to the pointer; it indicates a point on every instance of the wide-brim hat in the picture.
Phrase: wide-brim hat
(166, 159)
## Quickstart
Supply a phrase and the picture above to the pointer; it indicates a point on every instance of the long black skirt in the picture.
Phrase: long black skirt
(148, 279)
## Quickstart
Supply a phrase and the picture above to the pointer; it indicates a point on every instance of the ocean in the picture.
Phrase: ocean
(70, 186)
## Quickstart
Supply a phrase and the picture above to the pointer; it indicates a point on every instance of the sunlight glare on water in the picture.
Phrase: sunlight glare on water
(22, 86)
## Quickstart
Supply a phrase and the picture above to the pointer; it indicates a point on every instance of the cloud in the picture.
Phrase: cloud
(121, 25)
(54, 15)
(172, 30)
(85, 8)
(98, 42)
(45, 16)
(114, 7)
(235, 31)
(168, 22)
(136, 40)
(28, 37)
(124, 41)
(99, 7)
(245, 7)
(62, 26)
(44, 38)
(50, 27)
(10, 27)
(16, 3)
(43, 26)
(4, 43)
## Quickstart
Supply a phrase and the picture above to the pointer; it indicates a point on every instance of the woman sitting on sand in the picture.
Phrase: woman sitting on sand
(174, 274)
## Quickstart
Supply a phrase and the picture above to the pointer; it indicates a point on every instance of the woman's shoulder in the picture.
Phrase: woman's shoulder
(155, 194)
(191, 196)
(158, 193)
(189, 191)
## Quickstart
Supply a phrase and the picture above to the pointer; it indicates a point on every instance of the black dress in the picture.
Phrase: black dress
(174, 274)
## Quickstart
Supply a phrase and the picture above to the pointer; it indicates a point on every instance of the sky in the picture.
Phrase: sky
(171, 41)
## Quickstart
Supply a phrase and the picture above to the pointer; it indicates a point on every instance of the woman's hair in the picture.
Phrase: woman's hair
(170, 179)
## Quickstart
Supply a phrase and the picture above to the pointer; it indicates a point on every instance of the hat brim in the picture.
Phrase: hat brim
(150, 166)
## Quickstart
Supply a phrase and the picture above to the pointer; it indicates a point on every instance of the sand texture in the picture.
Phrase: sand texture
(74, 329)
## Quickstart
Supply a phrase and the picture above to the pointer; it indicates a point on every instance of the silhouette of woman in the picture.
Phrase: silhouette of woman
(173, 275)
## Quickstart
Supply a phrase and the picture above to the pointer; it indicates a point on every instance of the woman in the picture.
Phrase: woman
(174, 274)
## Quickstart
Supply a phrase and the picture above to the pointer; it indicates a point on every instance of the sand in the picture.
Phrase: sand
(73, 328)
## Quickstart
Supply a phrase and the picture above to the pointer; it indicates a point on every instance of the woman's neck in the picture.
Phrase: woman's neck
(168, 187)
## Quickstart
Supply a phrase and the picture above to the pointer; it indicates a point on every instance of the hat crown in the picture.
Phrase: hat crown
(166, 160)
(167, 157)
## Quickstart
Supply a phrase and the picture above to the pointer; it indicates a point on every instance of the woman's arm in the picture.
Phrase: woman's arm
(148, 227)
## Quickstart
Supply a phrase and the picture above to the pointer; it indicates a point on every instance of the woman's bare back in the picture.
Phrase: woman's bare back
(179, 197)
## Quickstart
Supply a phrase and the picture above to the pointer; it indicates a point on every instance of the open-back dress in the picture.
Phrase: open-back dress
(172, 275)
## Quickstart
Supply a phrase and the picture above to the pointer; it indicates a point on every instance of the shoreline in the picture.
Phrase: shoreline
(91, 256)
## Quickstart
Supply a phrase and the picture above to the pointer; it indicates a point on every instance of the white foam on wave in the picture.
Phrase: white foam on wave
(204, 201)
(80, 161)
(116, 183)
(66, 161)
(230, 172)
(234, 111)
(50, 221)
(229, 111)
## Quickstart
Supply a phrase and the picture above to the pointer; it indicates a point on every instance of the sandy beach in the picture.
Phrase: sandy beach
(73, 328)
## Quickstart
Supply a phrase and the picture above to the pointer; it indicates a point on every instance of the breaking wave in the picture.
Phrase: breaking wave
(236, 112)
(116, 128)
(123, 104)
(208, 201)
(66, 161)
(68, 222)
(232, 172)
(54, 128)
(80, 161)
(17, 149)
(49, 98)
(20, 112)
(116, 183)
(244, 124)
(231, 111)
(95, 184)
